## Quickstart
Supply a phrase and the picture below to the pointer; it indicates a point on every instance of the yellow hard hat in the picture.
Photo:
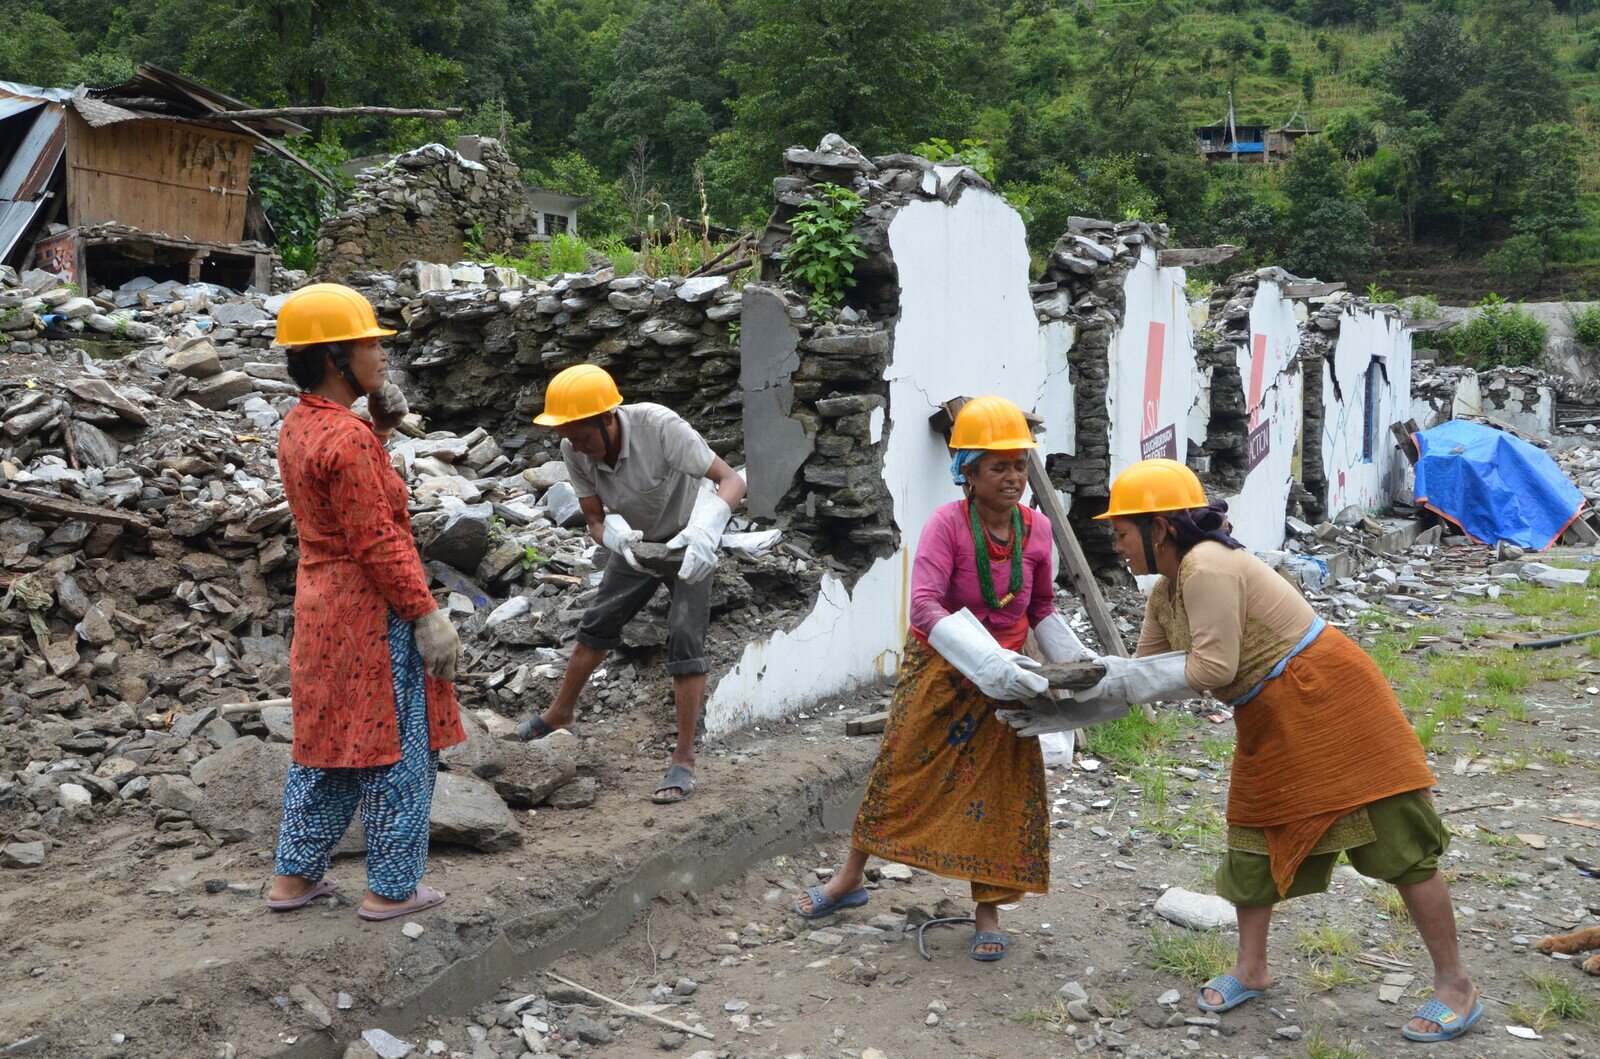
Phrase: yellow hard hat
(1153, 486)
(578, 392)
(991, 423)
(326, 312)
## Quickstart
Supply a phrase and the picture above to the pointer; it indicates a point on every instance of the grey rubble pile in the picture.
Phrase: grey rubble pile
(146, 576)
(419, 204)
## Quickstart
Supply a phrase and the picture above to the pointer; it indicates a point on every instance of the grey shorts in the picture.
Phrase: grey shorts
(624, 592)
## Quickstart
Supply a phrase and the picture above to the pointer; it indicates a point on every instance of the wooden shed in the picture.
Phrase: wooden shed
(151, 178)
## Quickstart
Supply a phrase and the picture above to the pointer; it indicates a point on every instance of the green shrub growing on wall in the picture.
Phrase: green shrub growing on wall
(1586, 325)
(825, 249)
(1503, 336)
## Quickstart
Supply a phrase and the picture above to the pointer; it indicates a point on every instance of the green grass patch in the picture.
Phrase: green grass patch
(1135, 741)
(1561, 1001)
(1198, 957)
(1320, 1046)
(1326, 941)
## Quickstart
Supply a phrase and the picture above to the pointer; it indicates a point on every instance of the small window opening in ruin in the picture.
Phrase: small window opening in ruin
(1371, 422)
(555, 223)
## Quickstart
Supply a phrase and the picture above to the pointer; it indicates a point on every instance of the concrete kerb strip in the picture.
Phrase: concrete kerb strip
(715, 851)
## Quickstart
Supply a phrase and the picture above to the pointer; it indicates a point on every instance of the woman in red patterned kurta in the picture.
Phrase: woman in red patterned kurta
(372, 658)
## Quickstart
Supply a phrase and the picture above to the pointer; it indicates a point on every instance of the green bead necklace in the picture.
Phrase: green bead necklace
(980, 546)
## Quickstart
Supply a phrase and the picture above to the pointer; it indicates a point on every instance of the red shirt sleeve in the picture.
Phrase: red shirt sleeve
(359, 489)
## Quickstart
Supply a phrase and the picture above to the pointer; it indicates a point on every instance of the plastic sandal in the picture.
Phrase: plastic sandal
(1451, 1025)
(678, 778)
(989, 937)
(323, 888)
(1234, 993)
(822, 904)
(425, 897)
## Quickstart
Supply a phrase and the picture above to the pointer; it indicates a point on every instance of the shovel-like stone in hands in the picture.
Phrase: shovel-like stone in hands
(1073, 676)
(658, 559)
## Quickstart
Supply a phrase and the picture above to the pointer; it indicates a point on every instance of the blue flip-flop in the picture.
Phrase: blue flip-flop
(822, 904)
(1234, 993)
(989, 937)
(1451, 1025)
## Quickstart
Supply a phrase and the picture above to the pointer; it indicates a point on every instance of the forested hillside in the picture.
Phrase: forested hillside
(1457, 151)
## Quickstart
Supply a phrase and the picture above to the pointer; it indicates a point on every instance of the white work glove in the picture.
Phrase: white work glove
(620, 537)
(437, 643)
(1153, 678)
(1057, 642)
(387, 406)
(998, 673)
(1062, 715)
(699, 539)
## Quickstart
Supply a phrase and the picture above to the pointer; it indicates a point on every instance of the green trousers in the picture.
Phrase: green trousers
(1410, 840)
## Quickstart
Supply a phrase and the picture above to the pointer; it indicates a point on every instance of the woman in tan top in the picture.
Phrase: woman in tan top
(1326, 761)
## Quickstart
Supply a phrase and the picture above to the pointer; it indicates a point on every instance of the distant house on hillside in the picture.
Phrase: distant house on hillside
(1226, 140)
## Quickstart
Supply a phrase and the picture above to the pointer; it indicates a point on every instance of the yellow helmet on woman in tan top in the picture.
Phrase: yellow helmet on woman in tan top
(1153, 487)
(326, 312)
(578, 392)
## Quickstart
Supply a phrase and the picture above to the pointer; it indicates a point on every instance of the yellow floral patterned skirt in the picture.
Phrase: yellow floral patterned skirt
(956, 791)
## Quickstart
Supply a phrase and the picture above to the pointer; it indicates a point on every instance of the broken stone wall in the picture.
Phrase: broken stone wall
(1250, 349)
(1135, 384)
(1357, 376)
(925, 325)
(482, 357)
(1521, 397)
(421, 206)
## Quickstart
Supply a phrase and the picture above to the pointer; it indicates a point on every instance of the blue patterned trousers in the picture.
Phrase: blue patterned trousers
(318, 804)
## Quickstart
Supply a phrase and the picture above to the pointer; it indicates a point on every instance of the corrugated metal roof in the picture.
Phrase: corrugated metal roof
(10, 108)
(15, 217)
(28, 171)
(17, 88)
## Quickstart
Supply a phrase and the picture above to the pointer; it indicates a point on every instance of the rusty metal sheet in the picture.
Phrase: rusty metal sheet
(10, 108)
(15, 217)
(28, 174)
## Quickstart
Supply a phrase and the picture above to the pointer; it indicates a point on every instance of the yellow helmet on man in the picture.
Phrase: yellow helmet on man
(1153, 487)
(578, 392)
(326, 312)
(991, 423)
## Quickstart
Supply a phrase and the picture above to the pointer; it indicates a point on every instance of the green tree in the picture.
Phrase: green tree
(655, 108)
(1350, 134)
(1332, 234)
(1107, 186)
(1549, 204)
(36, 49)
(606, 214)
(1279, 60)
(1517, 264)
(880, 73)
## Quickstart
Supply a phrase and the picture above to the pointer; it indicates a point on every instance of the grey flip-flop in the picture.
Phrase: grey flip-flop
(536, 727)
(678, 777)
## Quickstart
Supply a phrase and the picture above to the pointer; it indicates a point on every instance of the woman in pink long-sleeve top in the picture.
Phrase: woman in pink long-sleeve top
(954, 790)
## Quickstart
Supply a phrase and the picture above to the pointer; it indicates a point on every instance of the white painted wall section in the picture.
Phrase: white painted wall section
(1273, 395)
(1366, 387)
(966, 327)
(1153, 393)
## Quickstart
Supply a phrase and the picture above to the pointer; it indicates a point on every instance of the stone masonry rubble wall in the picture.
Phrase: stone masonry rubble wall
(422, 205)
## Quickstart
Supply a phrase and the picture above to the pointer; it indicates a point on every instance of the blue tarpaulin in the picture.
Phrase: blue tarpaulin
(1494, 485)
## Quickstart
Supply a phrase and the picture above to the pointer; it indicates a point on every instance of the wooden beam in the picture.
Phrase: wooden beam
(1312, 290)
(1430, 325)
(1193, 256)
(335, 112)
(1074, 564)
(1408, 444)
(871, 724)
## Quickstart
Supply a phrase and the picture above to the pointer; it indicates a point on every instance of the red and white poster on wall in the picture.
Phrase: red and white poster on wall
(1259, 440)
(1157, 440)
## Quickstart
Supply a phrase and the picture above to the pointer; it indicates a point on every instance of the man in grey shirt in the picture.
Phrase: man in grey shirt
(639, 472)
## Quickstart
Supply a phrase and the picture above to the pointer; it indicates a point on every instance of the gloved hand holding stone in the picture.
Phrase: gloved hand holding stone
(1057, 642)
(438, 644)
(620, 537)
(701, 537)
(1045, 715)
(998, 673)
(387, 407)
(1153, 678)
